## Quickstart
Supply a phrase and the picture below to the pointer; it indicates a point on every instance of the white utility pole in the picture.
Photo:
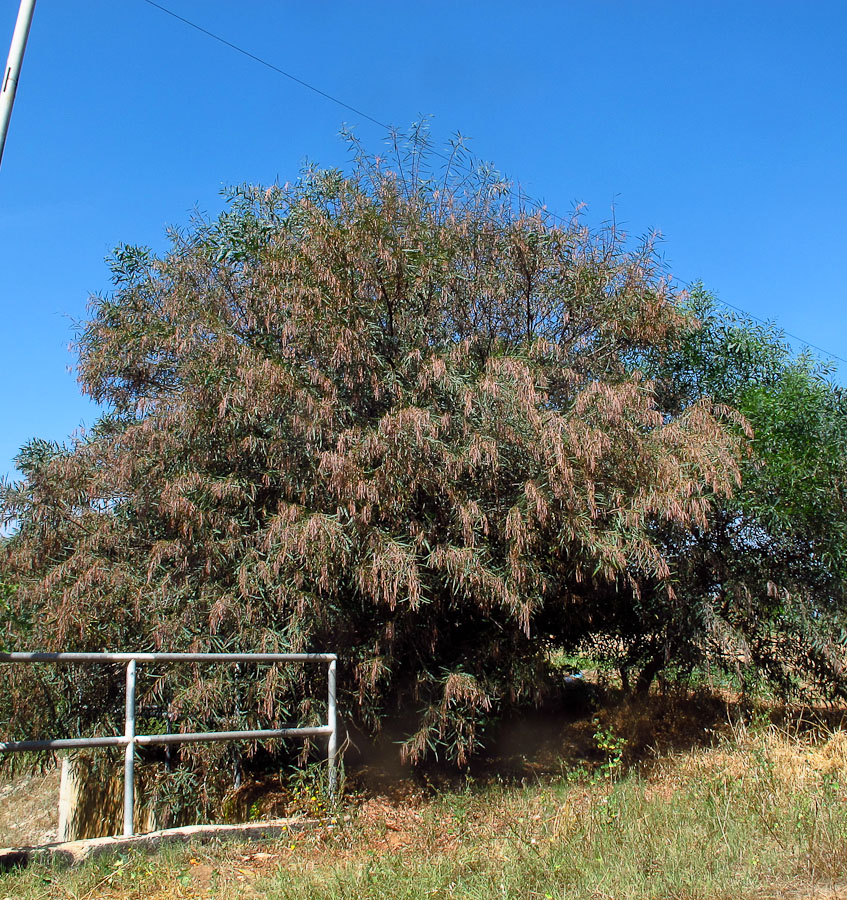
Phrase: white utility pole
(12, 72)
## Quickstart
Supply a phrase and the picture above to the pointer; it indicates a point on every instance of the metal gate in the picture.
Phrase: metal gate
(130, 739)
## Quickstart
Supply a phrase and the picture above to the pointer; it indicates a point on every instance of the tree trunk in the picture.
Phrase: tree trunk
(648, 673)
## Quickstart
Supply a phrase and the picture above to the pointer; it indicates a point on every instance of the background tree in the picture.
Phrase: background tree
(392, 413)
(760, 592)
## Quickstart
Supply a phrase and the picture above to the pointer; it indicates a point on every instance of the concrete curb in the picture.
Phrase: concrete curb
(73, 852)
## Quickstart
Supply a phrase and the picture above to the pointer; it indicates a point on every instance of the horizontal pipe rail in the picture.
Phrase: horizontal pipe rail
(187, 737)
(166, 657)
(63, 744)
(130, 739)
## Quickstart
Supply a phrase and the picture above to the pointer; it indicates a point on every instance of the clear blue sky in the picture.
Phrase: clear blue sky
(722, 124)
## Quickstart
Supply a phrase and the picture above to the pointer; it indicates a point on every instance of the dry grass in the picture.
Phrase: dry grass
(761, 814)
(29, 808)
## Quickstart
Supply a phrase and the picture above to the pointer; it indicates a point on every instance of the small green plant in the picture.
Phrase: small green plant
(309, 790)
(613, 746)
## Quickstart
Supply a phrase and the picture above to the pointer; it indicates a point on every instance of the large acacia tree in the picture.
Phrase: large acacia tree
(391, 413)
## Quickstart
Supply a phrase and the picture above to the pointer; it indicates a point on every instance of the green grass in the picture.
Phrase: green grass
(764, 815)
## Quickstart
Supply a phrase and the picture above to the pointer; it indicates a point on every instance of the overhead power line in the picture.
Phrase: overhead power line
(786, 333)
(264, 62)
(359, 112)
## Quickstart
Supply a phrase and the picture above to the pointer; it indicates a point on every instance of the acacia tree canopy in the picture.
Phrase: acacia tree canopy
(390, 413)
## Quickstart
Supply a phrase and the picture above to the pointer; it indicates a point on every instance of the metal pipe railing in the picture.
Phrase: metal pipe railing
(130, 739)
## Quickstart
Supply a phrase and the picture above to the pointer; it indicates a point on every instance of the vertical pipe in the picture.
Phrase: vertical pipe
(332, 744)
(12, 72)
(129, 757)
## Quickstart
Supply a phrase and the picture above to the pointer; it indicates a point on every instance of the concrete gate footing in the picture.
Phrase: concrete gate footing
(73, 852)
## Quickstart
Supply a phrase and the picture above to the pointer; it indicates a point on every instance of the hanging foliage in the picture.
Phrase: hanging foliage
(392, 413)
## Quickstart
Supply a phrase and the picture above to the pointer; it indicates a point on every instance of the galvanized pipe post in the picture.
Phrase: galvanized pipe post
(332, 742)
(12, 72)
(129, 752)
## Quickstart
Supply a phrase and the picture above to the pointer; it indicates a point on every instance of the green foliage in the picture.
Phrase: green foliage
(760, 592)
(308, 787)
(612, 746)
